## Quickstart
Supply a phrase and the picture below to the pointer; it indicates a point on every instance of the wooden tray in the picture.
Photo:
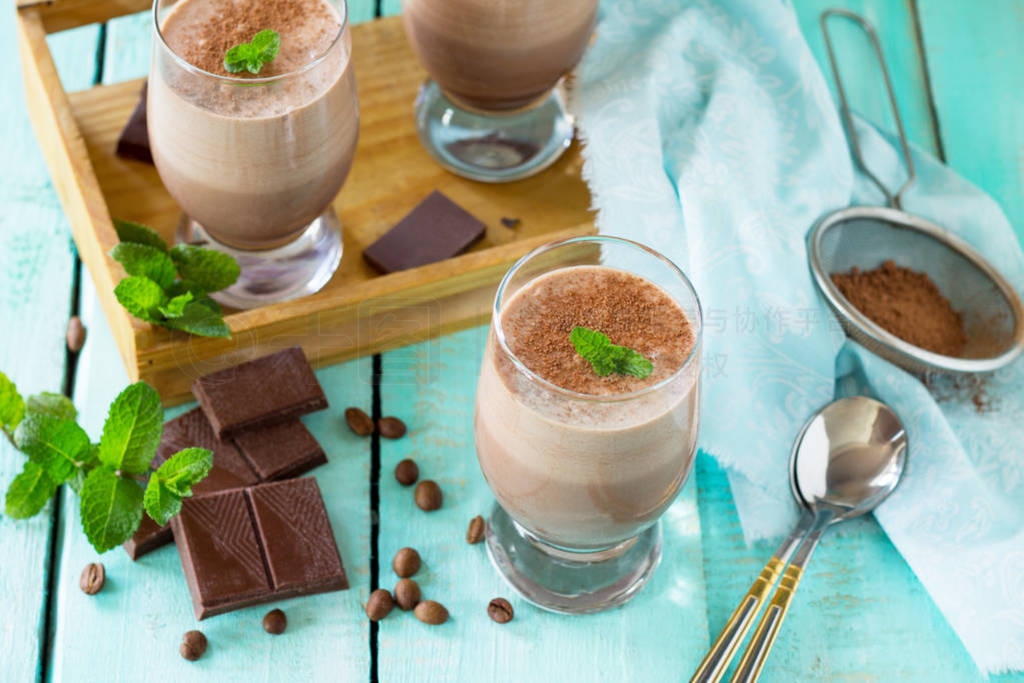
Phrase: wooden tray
(358, 312)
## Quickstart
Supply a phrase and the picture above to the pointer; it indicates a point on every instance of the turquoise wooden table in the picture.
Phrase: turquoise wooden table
(860, 615)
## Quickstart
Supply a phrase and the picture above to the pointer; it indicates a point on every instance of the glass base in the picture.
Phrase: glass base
(493, 147)
(296, 269)
(570, 582)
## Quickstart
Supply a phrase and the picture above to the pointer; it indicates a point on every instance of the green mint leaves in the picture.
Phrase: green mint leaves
(170, 286)
(606, 357)
(253, 55)
(108, 476)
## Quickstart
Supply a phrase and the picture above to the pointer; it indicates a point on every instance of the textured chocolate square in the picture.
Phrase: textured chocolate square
(281, 451)
(254, 545)
(259, 393)
(437, 229)
(134, 140)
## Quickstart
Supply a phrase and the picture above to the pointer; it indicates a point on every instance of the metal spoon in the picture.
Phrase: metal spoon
(847, 459)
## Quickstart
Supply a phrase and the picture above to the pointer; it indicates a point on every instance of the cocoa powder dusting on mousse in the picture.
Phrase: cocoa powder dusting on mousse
(630, 310)
(207, 35)
(906, 303)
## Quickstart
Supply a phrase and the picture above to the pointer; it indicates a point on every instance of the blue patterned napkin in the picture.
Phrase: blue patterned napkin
(710, 134)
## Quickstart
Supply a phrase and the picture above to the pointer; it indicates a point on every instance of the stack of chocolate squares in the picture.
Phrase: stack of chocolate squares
(251, 533)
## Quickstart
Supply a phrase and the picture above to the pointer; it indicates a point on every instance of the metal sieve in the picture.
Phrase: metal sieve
(866, 236)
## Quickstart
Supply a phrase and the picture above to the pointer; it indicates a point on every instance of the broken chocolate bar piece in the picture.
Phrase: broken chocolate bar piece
(134, 140)
(147, 538)
(437, 229)
(259, 393)
(281, 451)
(259, 544)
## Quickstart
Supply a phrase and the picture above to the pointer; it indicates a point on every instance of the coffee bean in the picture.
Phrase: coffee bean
(500, 610)
(92, 578)
(475, 532)
(428, 495)
(407, 594)
(430, 612)
(358, 421)
(510, 223)
(379, 605)
(75, 335)
(407, 472)
(193, 645)
(275, 622)
(406, 563)
(391, 427)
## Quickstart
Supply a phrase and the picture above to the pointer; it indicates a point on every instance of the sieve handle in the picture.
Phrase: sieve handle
(893, 200)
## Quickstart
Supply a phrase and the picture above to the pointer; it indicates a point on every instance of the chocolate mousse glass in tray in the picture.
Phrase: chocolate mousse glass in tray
(385, 300)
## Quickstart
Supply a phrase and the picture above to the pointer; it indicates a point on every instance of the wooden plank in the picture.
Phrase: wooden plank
(657, 636)
(145, 607)
(60, 15)
(392, 172)
(976, 61)
(36, 270)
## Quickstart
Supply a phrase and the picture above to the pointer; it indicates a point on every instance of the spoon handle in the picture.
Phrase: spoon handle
(756, 654)
(716, 661)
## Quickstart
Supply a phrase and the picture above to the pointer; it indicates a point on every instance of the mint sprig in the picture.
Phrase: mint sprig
(170, 286)
(253, 55)
(107, 475)
(606, 357)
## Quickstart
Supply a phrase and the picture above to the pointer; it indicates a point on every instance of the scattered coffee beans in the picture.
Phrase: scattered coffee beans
(75, 334)
(428, 495)
(430, 612)
(379, 605)
(358, 421)
(92, 578)
(275, 622)
(407, 472)
(407, 594)
(193, 645)
(475, 532)
(391, 427)
(406, 563)
(500, 610)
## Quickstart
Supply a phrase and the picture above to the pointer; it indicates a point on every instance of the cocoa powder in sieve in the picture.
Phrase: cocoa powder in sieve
(906, 303)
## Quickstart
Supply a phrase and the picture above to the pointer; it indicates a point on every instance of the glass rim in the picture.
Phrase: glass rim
(499, 332)
(264, 80)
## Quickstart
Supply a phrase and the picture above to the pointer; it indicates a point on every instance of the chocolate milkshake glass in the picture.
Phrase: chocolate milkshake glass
(255, 160)
(583, 464)
(494, 107)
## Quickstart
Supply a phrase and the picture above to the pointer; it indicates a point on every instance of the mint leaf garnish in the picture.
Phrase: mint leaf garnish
(141, 297)
(204, 268)
(12, 406)
(253, 55)
(132, 430)
(145, 261)
(184, 469)
(197, 318)
(170, 287)
(54, 405)
(111, 508)
(137, 233)
(55, 444)
(29, 491)
(173, 481)
(606, 357)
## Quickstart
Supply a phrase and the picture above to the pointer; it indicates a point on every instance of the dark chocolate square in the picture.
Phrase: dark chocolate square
(259, 393)
(254, 545)
(280, 451)
(437, 229)
(134, 140)
(147, 538)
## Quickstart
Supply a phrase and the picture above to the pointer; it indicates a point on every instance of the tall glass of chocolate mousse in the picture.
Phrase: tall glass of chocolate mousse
(494, 106)
(587, 410)
(254, 146)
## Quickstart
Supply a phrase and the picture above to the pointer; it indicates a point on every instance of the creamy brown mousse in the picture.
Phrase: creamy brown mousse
(498, 54)
(588, 471)
(253, 163)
